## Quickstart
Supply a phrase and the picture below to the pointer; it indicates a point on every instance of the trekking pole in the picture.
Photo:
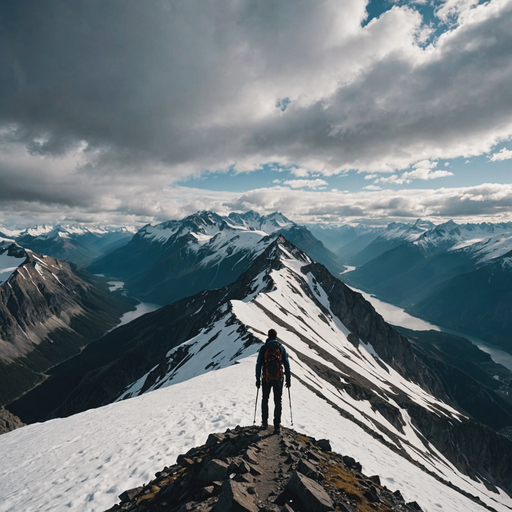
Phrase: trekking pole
(256, 406)
(290, 400)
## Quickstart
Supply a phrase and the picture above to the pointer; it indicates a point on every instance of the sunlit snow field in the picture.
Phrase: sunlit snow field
(83, 462)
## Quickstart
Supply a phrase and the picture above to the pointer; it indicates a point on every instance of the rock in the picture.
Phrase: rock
(234, 498)
(352, 463)
(324, 445)
(413, 505)
(251, 456)
(254, 471)
(213, 470)
(307, 469)
(312, 456)
(398, 495)
(130, 494)
(207, 491)
(188, 507)
(372, 495)
(9, 421)
(375, 479)
(311, 495)
(214, 439)
(185, 461)
(343, 507)
(243, 468)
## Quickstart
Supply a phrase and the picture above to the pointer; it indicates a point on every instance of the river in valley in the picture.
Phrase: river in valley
(395, 315)
(140, 309)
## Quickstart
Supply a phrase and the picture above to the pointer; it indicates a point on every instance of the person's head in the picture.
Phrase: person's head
(272, 334)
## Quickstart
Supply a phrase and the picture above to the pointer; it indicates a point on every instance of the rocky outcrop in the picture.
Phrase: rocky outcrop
(49, 310)
(249, 470)
(8, 421)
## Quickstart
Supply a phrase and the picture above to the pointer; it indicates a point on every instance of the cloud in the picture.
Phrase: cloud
(101, 108)
(504, 154)
(423, 171)
(488, 202)
(305, 183)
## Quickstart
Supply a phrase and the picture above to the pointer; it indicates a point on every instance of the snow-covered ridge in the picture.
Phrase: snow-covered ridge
(204, 226)
(311, 331)
(67, 230)
(485, 241)
(406, 232)
(85, 461)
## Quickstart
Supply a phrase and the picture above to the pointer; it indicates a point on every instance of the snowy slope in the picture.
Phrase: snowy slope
(483, 241)
(405, 232)
(75, 243)
(83, 462)
(342, 389)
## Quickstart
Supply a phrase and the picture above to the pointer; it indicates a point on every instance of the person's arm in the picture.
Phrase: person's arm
(286, 364)
(259, 364)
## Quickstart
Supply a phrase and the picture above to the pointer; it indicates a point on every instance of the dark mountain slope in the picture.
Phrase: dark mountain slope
(48, 312)
(477, 302)
(204, 251)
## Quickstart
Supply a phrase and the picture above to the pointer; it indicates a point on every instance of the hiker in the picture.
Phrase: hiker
(269, 373)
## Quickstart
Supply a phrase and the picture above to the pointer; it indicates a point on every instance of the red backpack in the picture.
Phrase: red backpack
(272, 366)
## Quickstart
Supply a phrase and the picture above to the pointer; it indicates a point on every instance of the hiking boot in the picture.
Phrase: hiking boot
(277, 429)
(264, 425)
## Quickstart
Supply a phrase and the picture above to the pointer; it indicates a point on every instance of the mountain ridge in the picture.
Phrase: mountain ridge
(175, 259)
(48, 312)
(341, 350)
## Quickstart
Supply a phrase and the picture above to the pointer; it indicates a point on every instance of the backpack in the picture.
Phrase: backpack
(272, 366)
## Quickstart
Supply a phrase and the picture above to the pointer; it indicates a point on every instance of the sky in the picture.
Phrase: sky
(335, 111)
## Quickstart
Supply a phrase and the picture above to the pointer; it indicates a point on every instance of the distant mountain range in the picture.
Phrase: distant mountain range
(76, 244)
(459, 276)
(406, 397)
(49, 310)
(178, 258)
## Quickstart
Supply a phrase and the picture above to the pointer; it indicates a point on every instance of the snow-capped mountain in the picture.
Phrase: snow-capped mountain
(456, 275)
(77, 244)
(47, 313)
(393, 236)
(487, 240)
(345, 240)
(186, 370)
(174, 259)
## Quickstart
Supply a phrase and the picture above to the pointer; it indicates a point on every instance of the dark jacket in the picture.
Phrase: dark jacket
(261, 358)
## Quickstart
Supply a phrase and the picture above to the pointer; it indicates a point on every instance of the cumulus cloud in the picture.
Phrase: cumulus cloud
(504, 154)
(305, 183)
(488, 202)
(102, 107)
(424, 171)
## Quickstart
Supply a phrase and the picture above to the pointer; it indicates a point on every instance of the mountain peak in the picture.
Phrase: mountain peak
(248, 469)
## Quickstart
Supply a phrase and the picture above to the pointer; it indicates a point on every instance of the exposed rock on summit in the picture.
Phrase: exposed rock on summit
(248, 469)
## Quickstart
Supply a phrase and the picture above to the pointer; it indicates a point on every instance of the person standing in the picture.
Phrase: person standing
(272, 357)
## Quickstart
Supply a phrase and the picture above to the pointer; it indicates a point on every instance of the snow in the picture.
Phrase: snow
(85, 461)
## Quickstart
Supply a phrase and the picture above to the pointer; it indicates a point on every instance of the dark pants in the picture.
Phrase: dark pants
(277, 386)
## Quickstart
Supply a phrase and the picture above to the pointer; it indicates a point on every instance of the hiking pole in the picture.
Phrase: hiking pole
(256, 406)
(290, 401)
